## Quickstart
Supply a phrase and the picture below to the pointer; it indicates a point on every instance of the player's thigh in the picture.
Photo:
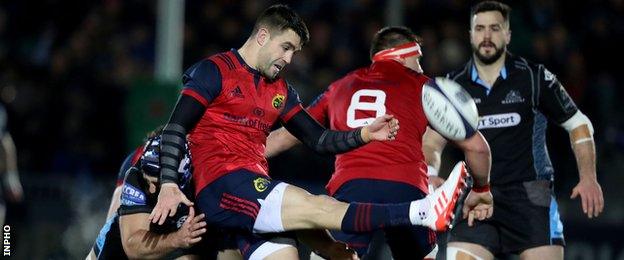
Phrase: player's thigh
(467, 251)
(255, 247)
(554, 252)
(285, 253)
(301, 210)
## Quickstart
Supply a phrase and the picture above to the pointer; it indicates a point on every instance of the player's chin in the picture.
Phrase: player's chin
(271, 74)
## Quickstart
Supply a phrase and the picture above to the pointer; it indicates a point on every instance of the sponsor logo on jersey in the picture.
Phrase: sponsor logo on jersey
(499, 120)
(245, 121)
(131, 196)
(261, 184)
(548, 76)
(236, 92)
(513, 97)
(259, 112)
(278, 101)
(477, 100)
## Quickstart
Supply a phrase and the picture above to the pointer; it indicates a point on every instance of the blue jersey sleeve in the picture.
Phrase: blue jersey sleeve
(133, 195)
(292, 105)
(202, 81)
(554, 101)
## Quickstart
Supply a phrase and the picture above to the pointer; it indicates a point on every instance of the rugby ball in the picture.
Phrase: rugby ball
(449, 109)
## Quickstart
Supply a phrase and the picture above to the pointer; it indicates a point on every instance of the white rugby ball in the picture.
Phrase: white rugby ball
(449, 109)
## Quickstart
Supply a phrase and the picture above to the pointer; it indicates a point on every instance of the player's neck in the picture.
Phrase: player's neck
(489, 72)
(249, 53)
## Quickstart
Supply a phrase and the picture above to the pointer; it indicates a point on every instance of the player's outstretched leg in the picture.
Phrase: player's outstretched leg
(288, 207)
(436, 210)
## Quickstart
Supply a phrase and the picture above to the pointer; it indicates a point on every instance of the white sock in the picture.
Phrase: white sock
(418, 211)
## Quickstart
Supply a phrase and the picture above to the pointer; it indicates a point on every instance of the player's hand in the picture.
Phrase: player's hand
(591, 197)
(168, 199)
(479, 205)
(339, 251)
(435, 181)
(191, 231)
(383, 128)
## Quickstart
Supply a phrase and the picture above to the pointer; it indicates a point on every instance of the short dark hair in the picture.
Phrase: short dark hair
(487, 6)
(281, 17)
(390, 37)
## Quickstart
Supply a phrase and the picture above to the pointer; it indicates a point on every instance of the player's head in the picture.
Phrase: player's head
(489, 30)
(397, 43)
(278, 32)
(150, 162)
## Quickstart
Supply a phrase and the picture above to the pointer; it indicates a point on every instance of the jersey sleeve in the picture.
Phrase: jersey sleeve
(133, 198)
(318, 108)
(202, 81)
(292, 105)
(554, 101)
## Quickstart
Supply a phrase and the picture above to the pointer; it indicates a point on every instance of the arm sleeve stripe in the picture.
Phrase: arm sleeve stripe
(170, 151)
(291, 113)
(174, 133)
(192, 93)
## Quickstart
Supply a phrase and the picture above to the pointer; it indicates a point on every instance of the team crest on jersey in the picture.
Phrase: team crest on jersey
(277, 101)
(261, 184)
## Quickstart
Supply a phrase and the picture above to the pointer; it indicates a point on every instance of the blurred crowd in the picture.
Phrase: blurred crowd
(66, 68)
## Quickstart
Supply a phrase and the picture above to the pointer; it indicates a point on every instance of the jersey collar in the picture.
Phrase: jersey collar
(243, 63)
(474, 76)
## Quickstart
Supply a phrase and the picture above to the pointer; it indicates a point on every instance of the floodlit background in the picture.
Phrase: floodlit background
(83, 81)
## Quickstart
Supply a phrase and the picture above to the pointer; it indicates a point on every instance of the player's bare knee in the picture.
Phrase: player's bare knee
(543, 252)
(467, 251)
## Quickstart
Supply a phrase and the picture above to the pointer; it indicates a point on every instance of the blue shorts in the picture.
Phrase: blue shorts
(231, 203)
(405, 242)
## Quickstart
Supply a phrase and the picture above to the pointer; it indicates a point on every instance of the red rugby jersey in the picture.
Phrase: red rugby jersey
(386, 87)
(241, 106)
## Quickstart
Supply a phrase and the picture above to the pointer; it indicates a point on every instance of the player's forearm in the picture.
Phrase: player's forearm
(433, 145)
(144, 244)
(478, 157)
(279, 141)
(585, 153)
(187, 112)
(10, 153)
(322, 140)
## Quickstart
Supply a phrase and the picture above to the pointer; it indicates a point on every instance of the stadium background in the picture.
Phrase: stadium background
(77, 78)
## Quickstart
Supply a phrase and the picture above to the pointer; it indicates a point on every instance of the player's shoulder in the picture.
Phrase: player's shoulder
(202, 68)
(534, 70)
(517, 62)
(461, 72)
(349, 77)
(132, 191)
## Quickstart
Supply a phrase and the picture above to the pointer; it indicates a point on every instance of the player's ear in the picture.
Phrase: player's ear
(508, 37)
(263, 36)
